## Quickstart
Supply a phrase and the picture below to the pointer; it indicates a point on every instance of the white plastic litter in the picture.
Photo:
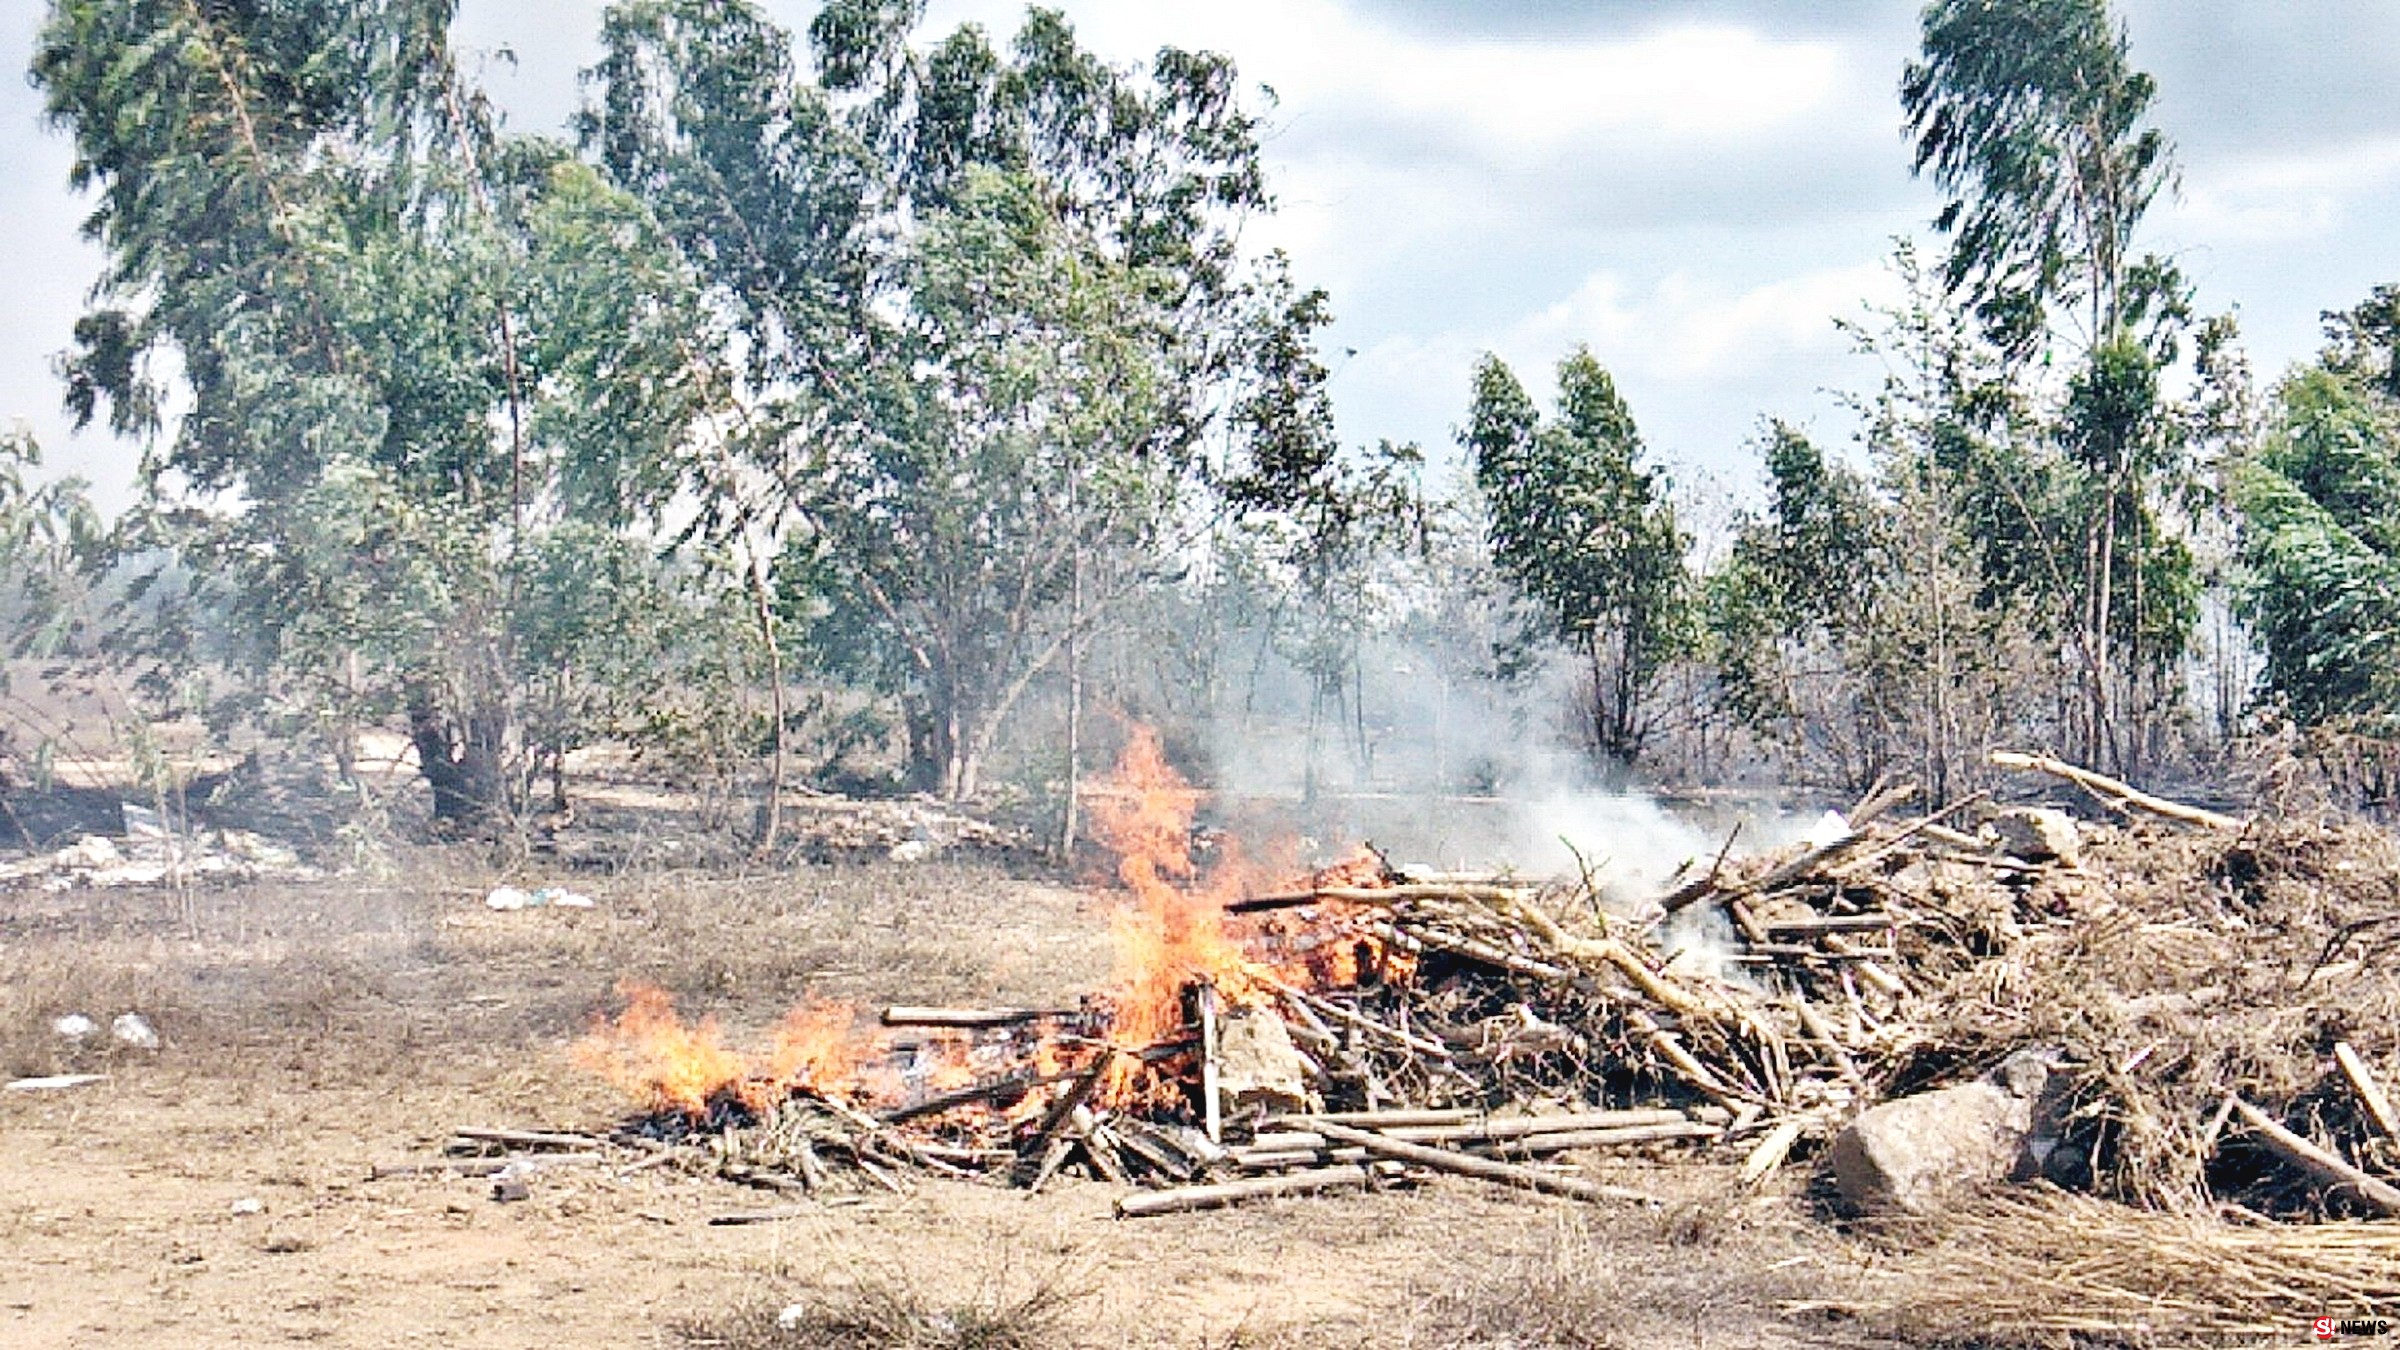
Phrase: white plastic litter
(135, 1030)
(1830, 829)
(75, 1027)
(53, 1082)
(792, 1316)
(514, 897)
(249, 1204)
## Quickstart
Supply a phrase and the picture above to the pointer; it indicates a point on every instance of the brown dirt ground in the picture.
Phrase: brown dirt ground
(315, 1030)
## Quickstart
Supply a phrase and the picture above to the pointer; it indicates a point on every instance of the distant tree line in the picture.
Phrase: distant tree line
(865, 386)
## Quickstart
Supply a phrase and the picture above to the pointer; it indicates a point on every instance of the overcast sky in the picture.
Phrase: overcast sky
(1694, 189)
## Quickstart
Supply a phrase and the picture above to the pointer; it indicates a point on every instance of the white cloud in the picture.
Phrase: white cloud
(1689, 327)
(2284, 196)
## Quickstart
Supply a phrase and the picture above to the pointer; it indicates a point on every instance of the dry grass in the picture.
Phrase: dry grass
(2048, 1269)
(1004, 1308)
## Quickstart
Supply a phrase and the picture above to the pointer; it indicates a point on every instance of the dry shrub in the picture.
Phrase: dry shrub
(2182, 968)
(2044, 1268)
(900, 1310)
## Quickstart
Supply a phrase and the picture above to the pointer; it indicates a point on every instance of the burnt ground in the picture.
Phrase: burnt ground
(314, 1029)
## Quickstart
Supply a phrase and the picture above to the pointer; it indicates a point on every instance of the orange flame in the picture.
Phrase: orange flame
(1172, 935)
(651, 1054)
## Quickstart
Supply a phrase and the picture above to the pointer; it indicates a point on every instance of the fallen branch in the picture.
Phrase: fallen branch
(2123, 796)
(906, 1015)
(2370, 1093)
(1233, 1192)
(2381, 1196)
(478, 1134)
(1482, 1169)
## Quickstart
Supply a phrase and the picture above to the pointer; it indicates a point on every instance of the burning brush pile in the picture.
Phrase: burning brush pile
(2215, 1002)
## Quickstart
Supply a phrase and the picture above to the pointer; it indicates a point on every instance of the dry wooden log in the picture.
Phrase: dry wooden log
(1813, 1022)
(1233, 1192)
(1686, 1066)
(1005, 1086)
(1050, 1139)
(1778, 953)
(762, 1179)
(1869, 970)
(480, 1134)
(1830, 923)
(1138, 1140)
(2123, 796)
(1212, 1106)
(906, 1015)
(1517, 1127)
(1535, 1145)
(1930, 826)
(1376, 1120)
(1263, 1160)
(2370, 1093)
(1347, 1017)
(1378, 895)
(1100, 1146)
(2381, 1196)
(479, 1167)
(812, 1169)
(1483, 1169)
(1487, 953)
(1771, 1150)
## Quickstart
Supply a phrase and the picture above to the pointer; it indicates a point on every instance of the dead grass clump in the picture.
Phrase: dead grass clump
(2047, 1268)
(896, 1312)
(37, 990)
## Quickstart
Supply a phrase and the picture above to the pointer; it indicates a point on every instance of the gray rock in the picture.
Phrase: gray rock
(2038, 834)
(1917, 1153)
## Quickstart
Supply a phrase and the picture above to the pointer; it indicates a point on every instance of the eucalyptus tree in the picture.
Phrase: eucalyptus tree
(1788, 613)
(370, 300)
(984, 302)
(1583, 530)
(2031, 116)
(2320, 530)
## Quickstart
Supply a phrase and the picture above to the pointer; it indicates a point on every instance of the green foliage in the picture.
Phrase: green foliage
(2029, 113)
(1809, 572)
(1583, 530)
(981, 298)
(412, 350)
(2320, 542)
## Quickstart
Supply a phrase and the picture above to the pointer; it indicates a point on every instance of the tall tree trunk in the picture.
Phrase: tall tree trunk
(463, 761)
(763, 613)
(1074, 655)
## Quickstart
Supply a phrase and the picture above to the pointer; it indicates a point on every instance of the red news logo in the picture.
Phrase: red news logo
(2326, 1328)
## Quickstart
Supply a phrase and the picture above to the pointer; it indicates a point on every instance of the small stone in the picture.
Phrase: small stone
(249, 1204)
(508, 1190)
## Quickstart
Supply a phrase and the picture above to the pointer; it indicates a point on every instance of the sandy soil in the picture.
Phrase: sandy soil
(316, 1030)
